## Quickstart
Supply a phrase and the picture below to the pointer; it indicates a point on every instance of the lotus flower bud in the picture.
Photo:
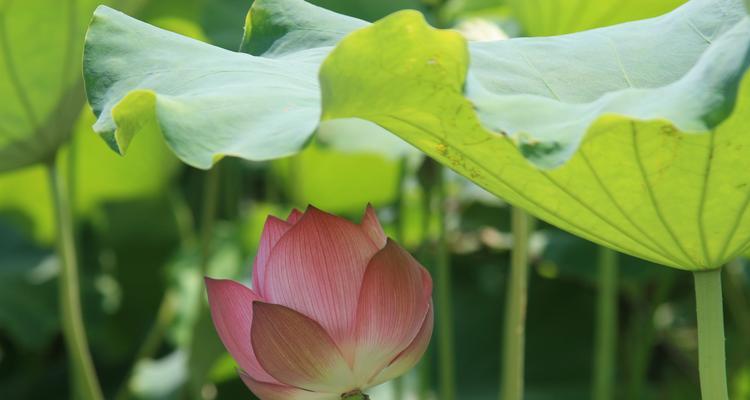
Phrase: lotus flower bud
(335, 308)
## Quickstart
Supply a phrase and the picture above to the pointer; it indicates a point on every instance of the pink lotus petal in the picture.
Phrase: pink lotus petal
(294, 216)
(411, 355)
(232, 312)
(393, 303)
(297, 351)
(270, 391)
(371, 225)
(317, 268)
(273, 230)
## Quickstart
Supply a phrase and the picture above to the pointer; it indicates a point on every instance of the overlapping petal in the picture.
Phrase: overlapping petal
(393, 303)
(273, 230)
(371, 225)
(411, 355)
(317, 268)
(232, 312)
(294, 216)
(271, 391)
(297, 351)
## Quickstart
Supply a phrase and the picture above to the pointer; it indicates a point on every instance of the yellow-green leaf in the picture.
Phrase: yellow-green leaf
(632, 136)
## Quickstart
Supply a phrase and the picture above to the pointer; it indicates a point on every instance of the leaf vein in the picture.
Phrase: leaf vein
(651, 195)
(698, 31)
(602, 217)
(735, 227)
(665, 252)
(702, 204)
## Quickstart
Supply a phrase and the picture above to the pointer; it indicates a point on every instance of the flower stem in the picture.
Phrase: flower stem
(515, 309)
(85, 380)
(606, 330)
(711, 351)
(444, 306)
(641, 334)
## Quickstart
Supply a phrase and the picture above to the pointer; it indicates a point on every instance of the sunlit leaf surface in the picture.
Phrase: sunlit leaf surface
(633, 136)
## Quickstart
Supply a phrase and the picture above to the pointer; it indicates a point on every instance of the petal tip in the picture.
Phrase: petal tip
(294, 216)
(212, 284)
(371, 225)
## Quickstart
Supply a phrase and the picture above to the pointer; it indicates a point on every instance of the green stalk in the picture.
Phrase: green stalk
(444, 306)
(208, 217)
(210, 202)
(640, 339)
(424, 369)
(208, 220)
(606, 330)
(641, 334)
(400, 221)
(711, 351)
(85, 379)
(231, 185)
(515, 309)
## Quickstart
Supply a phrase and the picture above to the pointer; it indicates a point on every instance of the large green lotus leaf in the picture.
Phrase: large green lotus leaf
(208, 102)
(278, 28)
(554, 17)
(260, 103)
(633, 136)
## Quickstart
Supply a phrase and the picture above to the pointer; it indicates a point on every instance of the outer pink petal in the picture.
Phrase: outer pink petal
(270, 391)
(273, 230)
(371, 225)
(317, 269)
(232, 312)
(294, 216)
(297, 351)
(392, 306)
(411, 355)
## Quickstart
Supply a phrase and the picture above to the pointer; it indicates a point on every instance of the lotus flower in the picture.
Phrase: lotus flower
(335, 308)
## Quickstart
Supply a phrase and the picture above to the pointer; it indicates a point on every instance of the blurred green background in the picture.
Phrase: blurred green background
(139, 221)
